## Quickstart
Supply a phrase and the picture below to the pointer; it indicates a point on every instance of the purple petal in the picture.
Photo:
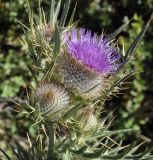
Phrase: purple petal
(93, 51)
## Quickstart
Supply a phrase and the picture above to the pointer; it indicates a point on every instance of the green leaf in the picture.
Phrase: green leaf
(121, 80)
(72, 15)
(118, 31)
(137, 39)
(51, 148)
(51, 17)
(32, 72)
(79, 151)
(92, 155)
(117, 83)
(32, 52)
(67, 155)
(64, 13)
(57, 10)
(141, 155)
(57, 42)
(122, 155)
(48, 70)
(107, 133)
(72, 111)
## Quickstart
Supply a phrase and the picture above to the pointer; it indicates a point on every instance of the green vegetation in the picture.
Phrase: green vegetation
(133, 108)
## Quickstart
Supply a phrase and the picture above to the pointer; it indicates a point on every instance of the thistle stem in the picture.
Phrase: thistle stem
(51, 153)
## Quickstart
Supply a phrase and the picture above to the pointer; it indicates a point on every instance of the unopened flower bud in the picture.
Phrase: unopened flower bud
(51, 97)
(87, 120)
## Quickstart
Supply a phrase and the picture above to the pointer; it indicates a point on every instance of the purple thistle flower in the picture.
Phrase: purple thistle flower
(92, 51)
(86, 62)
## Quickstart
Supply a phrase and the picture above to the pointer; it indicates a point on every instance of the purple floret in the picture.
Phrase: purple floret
(92, 51)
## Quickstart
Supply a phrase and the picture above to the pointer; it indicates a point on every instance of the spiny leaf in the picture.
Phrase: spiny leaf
(57, 10)
(57, 42)
(96, 154)
(117, 83)
(79, 151)
(138, 39)
(141, 155)
(62, 143)
(67, 155)
(121, 80)
(33, 55)
(64, 13)
(115, 150)
(107, 133)
(51, 18)
(72, 111)
(72, 15)
(126, 151)
(48, 70)
(118, 31)
(120, 155)
(30, 46)
(32, 72)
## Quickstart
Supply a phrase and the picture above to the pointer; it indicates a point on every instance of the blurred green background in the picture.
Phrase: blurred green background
(133, 108)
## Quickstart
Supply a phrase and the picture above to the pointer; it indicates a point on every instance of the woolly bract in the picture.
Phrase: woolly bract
(51, 97)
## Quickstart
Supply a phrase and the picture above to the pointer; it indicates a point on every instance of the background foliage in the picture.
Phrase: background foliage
(133, 108)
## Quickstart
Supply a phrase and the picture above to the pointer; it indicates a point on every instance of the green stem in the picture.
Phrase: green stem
(51, 153)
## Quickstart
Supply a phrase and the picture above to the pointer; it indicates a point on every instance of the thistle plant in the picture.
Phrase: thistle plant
(74, 72)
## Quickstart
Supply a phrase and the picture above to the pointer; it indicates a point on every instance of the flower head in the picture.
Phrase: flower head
(86, 62)
(87, 120)
(92, 51)
(51, 97)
